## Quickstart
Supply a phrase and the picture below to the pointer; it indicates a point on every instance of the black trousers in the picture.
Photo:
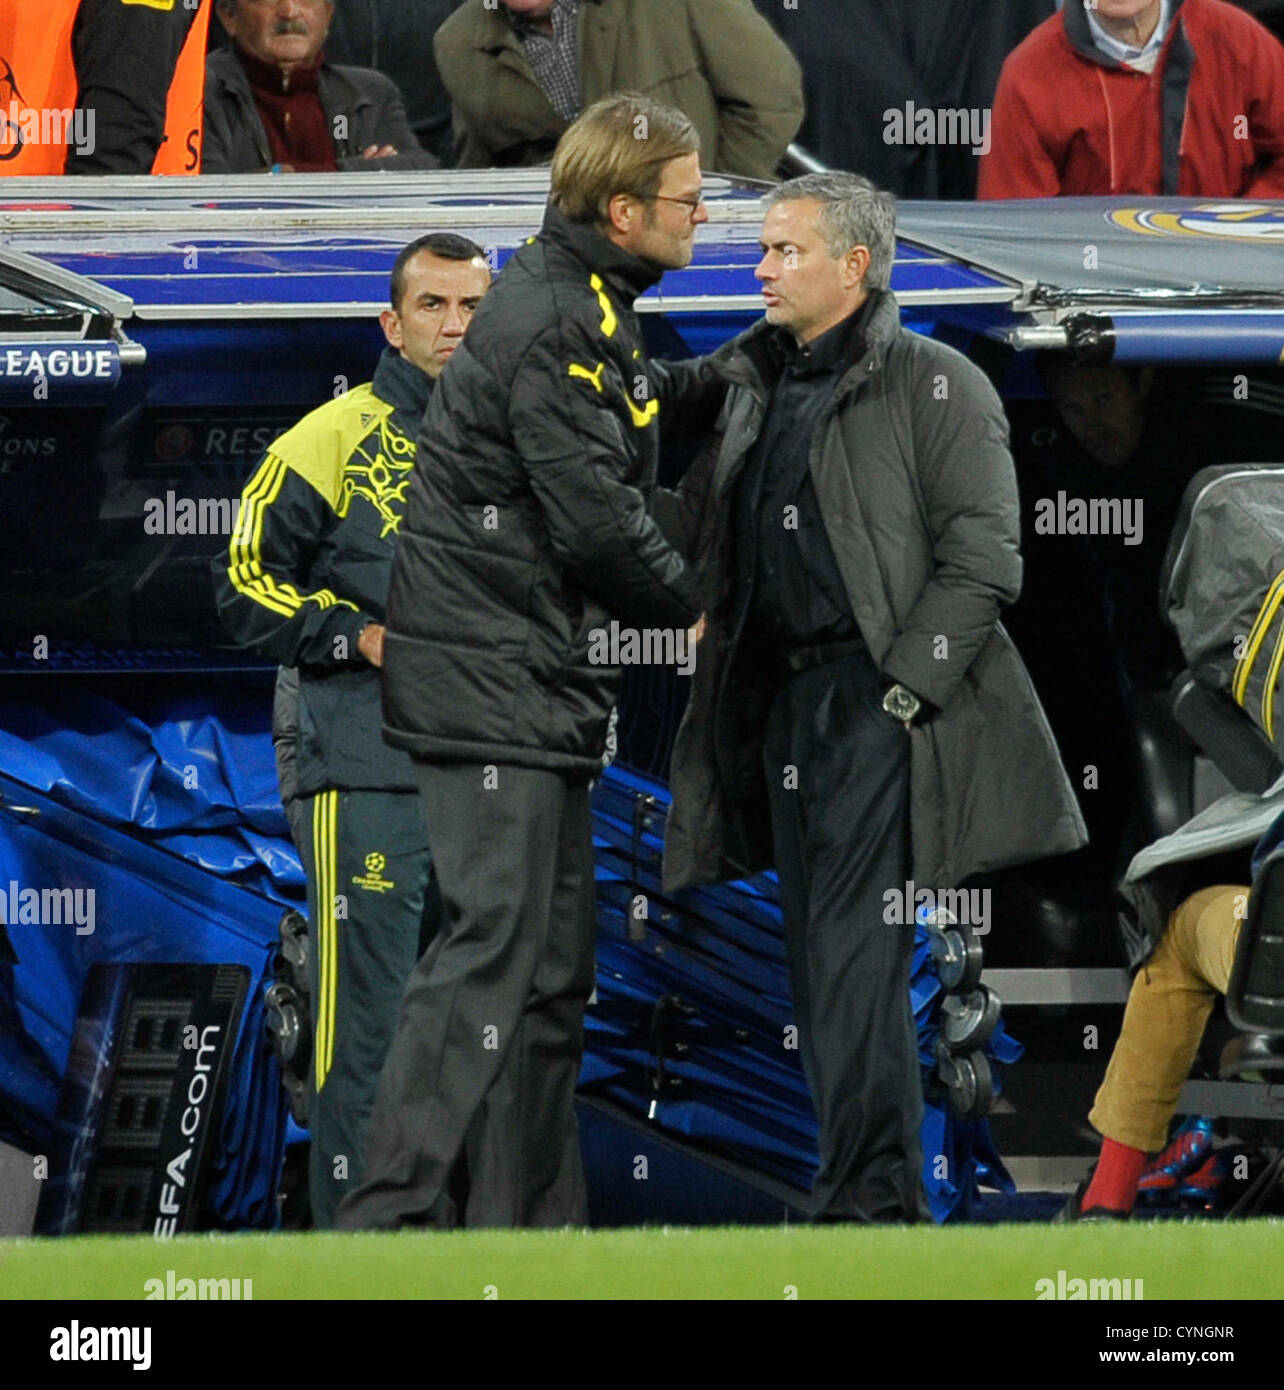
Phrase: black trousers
(476, 1103)
(373, 910)
(837, 769)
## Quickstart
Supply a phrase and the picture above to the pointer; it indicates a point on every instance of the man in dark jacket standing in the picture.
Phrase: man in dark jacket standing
(856, 535)
(305, 581)
(272, 102)
(527, 529)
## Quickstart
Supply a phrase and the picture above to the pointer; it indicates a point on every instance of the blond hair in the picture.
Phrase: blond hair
(618, 145)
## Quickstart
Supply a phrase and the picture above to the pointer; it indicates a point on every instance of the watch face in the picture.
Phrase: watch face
(901, 702)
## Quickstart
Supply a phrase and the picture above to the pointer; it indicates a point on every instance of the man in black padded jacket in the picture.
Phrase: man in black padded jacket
(527, 528)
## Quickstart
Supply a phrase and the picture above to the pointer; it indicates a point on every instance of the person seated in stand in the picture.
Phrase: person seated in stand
(1190, 950)
(1138, 434)
(1122, 446)
(273, 103)
(1155, 97)
(520, 71)
(395, 36)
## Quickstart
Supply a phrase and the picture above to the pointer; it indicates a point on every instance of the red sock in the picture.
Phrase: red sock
(1114, 1184)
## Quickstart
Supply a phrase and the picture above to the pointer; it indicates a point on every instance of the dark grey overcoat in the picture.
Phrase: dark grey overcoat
(918, 493)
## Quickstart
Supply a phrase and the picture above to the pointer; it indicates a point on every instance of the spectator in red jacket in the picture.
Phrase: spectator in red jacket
(1169, 97)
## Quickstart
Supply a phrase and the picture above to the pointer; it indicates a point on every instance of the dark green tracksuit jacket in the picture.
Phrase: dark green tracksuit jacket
(309, 566)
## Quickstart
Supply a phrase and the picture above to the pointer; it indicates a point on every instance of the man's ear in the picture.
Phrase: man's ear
(621, 212)
(856, 267)
(225, 11)
(390, 322)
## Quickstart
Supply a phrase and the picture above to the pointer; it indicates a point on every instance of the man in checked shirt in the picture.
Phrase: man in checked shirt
(520, 71)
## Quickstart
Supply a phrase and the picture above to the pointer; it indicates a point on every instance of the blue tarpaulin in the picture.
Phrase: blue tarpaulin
(167, 809)
(166, 813)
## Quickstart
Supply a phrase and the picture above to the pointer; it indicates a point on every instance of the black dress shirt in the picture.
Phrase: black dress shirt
(797, 595)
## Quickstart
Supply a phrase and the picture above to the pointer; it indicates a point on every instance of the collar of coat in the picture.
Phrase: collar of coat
(338, 92)
(494, 30)
(271, 77)
(627, 275)
(402, 384)
(1074, 19)
(757, 358)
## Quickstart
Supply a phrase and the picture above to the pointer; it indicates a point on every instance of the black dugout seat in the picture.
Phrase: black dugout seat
(1219, 727)
(1255, 996)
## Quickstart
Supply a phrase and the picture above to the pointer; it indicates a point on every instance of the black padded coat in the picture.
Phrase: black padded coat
(528, 520)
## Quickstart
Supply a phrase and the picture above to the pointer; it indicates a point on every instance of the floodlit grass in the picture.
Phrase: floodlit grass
(1175, 1259)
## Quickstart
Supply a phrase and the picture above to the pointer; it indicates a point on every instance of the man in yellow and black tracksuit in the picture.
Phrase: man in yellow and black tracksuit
(102, 86)
(305, 581)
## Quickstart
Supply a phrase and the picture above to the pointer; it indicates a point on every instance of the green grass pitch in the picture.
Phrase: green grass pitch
(1175, 1259)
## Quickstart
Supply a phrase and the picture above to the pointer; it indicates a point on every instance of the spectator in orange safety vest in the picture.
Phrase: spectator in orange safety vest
(102, 86)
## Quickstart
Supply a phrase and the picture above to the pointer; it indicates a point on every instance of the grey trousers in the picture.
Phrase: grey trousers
(474, 1122)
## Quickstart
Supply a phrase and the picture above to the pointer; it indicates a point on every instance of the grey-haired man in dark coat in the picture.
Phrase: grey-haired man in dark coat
(859, 718)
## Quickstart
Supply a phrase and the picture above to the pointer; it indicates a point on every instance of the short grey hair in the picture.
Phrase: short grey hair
(853, 212)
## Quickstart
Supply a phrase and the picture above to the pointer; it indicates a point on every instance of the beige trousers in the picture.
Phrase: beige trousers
(1168, 1006)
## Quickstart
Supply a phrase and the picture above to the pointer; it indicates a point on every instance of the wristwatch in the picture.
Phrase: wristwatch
(902, 704)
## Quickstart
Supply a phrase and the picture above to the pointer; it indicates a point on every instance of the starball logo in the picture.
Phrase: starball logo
(23, 125)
